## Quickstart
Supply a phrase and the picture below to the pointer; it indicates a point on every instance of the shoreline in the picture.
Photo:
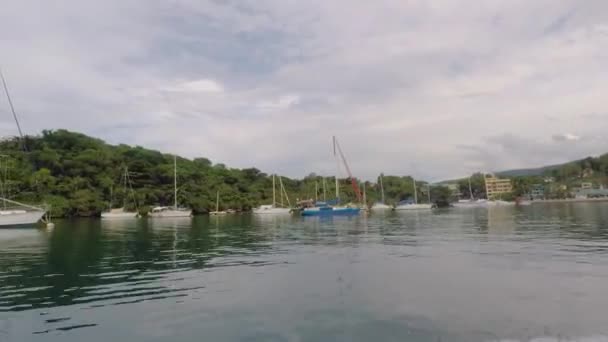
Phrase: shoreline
(571, 200)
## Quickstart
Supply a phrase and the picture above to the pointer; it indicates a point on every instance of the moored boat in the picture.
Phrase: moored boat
(174, 211)
(273, 209)
(381, 206)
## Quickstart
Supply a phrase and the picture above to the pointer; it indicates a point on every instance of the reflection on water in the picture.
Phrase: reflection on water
(447, 275)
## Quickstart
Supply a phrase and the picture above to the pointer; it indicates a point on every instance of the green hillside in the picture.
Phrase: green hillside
(75, 175)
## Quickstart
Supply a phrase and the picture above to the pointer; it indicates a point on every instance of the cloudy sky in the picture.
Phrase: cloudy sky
(437, 89)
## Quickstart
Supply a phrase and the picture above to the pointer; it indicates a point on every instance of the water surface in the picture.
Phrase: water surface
(537, 273)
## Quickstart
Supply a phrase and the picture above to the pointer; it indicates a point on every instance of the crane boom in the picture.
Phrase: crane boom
(350, 175)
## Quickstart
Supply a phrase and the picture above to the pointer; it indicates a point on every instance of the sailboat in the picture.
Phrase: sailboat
(120, 213)
(217, 206)
(324, 208)
(174, 211)
(409, 205)
(20, 214)
(381, 206)
(472, 202)
(272, 208)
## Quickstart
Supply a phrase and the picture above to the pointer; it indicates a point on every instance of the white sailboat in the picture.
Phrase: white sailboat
(21, 214)
(273, 208)
(217, 206)
(414, 205)
(471, 202)
(381, 206)
(174, 211)
(121, 213)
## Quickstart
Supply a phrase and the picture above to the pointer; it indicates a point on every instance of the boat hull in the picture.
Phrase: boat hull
(500, 203)
(471, 204)
(420, 206)
(15, 218)
(271, 211)
(381, 207)
(171, 213)
(114, 216)
(330, 211)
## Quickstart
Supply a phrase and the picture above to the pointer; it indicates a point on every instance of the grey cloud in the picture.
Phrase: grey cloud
(401, 83)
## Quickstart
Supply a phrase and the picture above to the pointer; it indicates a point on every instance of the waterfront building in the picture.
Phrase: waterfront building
(497, 186)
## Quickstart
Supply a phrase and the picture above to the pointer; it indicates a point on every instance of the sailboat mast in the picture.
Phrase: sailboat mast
(337, 189)
(217, 201)
(364, 195)
(284, 192)
(274, 193)
(175, 181)
(324, 190)
(470, 189)
(415, 192)
(10, 103)
(337, 170)
(429, 190)
(316, 191)
(382, 188)
(124, 199)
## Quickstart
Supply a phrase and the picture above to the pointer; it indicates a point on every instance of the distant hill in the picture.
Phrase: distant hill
(531, 172)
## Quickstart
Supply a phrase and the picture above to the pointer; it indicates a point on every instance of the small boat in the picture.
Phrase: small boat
(118, 213)
(414, 205)
(22, 214)
(121, 213)
(381, 206)
(217, 211)
(323, 208)
(499, 203)
(410, 205)
(174, 211)
(272, 208)
(471, 203)
(157, 212)
(20, 217)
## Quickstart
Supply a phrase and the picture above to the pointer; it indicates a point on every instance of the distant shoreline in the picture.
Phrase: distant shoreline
(572, 200)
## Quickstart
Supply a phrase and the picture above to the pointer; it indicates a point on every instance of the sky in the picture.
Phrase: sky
(434, 89)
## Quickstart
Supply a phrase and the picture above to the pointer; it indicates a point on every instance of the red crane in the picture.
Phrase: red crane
(353, 181)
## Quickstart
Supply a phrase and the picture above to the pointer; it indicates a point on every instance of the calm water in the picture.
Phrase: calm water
(538, 273)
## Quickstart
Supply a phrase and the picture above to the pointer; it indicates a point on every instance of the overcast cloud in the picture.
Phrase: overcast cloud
(435, 88)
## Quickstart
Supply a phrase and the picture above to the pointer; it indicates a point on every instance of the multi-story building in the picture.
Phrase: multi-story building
(496, 186)
(586, 185)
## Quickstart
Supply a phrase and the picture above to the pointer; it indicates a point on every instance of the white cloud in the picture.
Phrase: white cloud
(282, 102)
(566, 137)
(196, 86)
(408, 87)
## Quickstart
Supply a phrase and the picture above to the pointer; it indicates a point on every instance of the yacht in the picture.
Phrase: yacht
(414, 205)
(174, 211)
(121, 213)
(273, 209)
(381, 206)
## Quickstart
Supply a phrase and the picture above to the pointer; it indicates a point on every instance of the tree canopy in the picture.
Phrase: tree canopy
(78, 175)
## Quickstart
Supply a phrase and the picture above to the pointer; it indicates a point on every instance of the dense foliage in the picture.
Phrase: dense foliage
(77, 175)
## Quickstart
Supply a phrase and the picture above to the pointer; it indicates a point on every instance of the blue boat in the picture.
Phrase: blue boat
(329, 208)
(333, 207)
